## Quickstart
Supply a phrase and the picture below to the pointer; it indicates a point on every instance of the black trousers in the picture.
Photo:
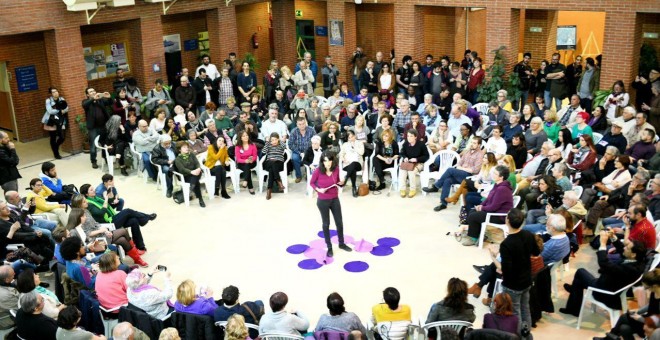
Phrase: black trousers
(273, 168)
(581, 281)
(379, 166)
(129, 218)
(220, 174)
(247, 174)
(627, 327)
(352, 170)
(56, 139)
(194, 184)
(475, 219)
(488, 277)
(325, 207)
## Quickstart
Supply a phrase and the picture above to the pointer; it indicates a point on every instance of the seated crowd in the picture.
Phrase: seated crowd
(550, 176)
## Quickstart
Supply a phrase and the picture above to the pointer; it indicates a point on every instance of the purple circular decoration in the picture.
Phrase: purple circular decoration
(315, 253)
(309, 264)
(388, 242)
(382, 251)
(318, 244)
(356, 266)
(362, 246)
(297, 249)
(347, 239)
(332, 233)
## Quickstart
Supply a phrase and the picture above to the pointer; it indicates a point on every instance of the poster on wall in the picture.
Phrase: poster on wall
(172, 43)
(102, 61)
(336, 33)
(566, 37)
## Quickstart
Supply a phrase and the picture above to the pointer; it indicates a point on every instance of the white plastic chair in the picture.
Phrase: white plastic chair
(394, 170)
(262, 174)
(108, 323)
(578, 190)
(597, 137)
(207, 178)
(109, 160)
(278, 336)
(447, 158)
(392, 330)
(554, 267)
(488, 223)
(614, 313)
(161, 180)
(309, 190)
(223, 324)
(482, 108)
(138, 163)
(456, 325)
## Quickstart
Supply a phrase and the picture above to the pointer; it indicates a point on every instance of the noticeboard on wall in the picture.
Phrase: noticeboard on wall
(566, 37)
(26, 78)
(102, 61)
(336, 33)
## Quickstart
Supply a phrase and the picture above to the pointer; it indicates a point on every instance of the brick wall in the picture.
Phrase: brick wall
(375, 29)
(188, 25)
(248, 19)
(477, 34)
(540, 44)
(284, 32)
(651, 24)
(25, 50)
(439, 32)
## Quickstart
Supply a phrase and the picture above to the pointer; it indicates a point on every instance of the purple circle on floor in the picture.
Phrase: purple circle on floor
(309, 264)
(356, 266)
(315, 253)
(318, 244)
(297, 249)
(332, 233)
(324, 260)
(382, 251)
(388, 242)
(347, 239)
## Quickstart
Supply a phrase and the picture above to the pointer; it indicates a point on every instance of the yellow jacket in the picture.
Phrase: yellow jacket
(40, 200)
(212, 157)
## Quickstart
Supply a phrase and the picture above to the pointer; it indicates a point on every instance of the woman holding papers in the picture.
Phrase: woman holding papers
(325, 181)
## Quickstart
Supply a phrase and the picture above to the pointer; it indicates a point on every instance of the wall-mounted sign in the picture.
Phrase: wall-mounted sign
(102, 61)
(26, 78)
(190, 45)
(649, 35)
(321, 31)
(536, 29)
(299, 13)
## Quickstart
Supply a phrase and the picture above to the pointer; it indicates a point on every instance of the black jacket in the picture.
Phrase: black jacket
(185, 96)
(614, 276)
(200, 93)
(308, 157)
(8, 162)
(142, 321)
(159, 155)
(95, 113)
(194, 327)
(618, 141)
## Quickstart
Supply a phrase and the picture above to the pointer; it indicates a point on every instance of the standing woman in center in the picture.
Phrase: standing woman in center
(325, 181)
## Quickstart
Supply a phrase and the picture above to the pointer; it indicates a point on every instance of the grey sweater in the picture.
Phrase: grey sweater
(283, 322)
(345, 322)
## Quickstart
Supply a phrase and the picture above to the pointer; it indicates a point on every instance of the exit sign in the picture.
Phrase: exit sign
(649, 35)
(299, 13)
(536, 29)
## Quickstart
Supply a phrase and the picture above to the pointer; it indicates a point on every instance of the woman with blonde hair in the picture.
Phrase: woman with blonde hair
(190, 301)
(476, 182)
(550, 125)
(151, 299)
(361, 129)
(236, 328)
(387, 153)
(535, 136)
(169, 333)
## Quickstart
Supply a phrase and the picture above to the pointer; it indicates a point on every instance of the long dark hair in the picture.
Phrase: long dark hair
(551, 182)
(331, 156)
(456, 294)
(521, 138)
(566, 136)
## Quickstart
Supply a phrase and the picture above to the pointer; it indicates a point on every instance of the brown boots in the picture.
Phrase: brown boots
(462, 190)
(475, 290)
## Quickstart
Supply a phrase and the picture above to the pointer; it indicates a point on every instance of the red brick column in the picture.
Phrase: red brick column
(621, 44)
(502, 26)
(67, 73)
(404, 44)
(223, 36)
(284, 32)
(147, 51)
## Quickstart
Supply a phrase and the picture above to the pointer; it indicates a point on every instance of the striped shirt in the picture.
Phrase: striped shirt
(274, 153)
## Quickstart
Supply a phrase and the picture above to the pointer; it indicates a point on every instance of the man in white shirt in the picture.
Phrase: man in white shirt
(211, 70)
(456, 120)
(274, 125)
(628, 120)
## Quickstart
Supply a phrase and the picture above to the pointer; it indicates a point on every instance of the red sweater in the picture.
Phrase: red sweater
(643, 231)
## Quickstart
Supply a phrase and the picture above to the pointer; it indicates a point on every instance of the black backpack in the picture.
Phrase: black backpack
(178, 197)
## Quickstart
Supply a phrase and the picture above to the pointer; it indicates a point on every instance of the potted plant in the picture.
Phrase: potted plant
(82, 127)
(494, 77)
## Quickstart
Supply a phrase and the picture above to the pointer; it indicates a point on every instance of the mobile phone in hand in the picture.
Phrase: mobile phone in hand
(161, 268)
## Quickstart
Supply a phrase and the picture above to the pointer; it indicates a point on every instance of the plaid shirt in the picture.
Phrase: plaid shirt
(298, 142)
(225, 89)
(400, 121)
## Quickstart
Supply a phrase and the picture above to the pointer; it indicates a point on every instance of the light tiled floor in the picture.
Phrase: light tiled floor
(242, 242)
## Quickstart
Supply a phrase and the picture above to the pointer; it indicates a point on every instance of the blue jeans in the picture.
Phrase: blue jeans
(472, 199)
(147, 165)
(547, 99)
(612, 222)
(168, 177)
(533, 215)
(93, 133)
(356, 84)
(200, 110)
(535, 228)
(451, 176)
(520, 299)
(21, 265)
(296, 158)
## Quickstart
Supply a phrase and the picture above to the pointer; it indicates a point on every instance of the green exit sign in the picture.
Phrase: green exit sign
(299, 13)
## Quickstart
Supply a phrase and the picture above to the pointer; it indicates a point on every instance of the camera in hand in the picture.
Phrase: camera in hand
(161, 268)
